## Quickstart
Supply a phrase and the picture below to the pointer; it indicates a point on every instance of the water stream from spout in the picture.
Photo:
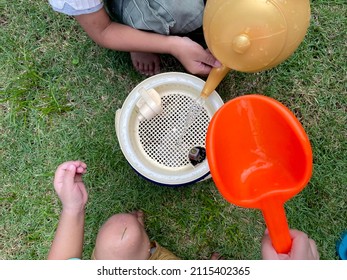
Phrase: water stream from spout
(194, 111)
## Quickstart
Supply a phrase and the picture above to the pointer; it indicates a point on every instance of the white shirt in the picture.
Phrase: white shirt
(76, 7)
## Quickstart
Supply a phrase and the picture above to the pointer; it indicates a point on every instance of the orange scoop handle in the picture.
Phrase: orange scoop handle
(276, 222)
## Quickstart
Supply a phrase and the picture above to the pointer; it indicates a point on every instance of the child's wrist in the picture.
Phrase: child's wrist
(174, 45)
(73, 211)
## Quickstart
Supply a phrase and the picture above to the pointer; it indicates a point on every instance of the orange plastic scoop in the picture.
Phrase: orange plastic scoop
(259, 157)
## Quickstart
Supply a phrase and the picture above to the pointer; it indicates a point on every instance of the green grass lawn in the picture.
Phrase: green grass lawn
(59, 92)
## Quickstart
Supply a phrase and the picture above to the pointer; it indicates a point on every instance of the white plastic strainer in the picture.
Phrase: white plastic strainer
(151, 145)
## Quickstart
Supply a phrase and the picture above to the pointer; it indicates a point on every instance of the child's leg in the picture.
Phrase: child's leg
(160, 16)
(123, 237)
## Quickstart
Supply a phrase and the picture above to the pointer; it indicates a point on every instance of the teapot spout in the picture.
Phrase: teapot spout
(213, 80)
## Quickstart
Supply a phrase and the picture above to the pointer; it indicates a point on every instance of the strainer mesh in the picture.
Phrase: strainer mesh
(159, 136)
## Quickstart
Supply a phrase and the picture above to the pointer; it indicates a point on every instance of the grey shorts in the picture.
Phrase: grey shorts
(160, 16)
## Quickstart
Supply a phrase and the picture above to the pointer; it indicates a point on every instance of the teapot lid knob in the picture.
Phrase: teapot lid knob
(241, 43)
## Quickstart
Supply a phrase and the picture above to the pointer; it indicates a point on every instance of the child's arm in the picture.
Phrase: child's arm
(116, 36)
(68, 240)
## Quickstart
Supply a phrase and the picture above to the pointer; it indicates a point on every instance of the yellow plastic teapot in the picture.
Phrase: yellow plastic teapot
(252, 35)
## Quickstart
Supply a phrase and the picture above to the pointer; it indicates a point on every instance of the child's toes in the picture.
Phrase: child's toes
(140, 216)
(216, 256)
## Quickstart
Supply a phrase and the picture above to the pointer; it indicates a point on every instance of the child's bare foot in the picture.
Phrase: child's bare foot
(140, 216)
(216, 256)
(146, 63)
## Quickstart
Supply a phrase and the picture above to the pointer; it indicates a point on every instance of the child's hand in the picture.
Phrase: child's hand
(193, 57)
(69, 185)
(303, 248)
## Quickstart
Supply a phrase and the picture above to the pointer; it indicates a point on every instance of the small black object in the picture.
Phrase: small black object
(197, 155)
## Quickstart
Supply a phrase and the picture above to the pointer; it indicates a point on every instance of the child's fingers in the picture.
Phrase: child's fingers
(267, 250)
(78, 177)
(84, 193)
(314, 250)
(81, 170)
(295, 233)
(69, 176)
(80, 165)
(60, 172)
(304, 247)
(77, 163)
